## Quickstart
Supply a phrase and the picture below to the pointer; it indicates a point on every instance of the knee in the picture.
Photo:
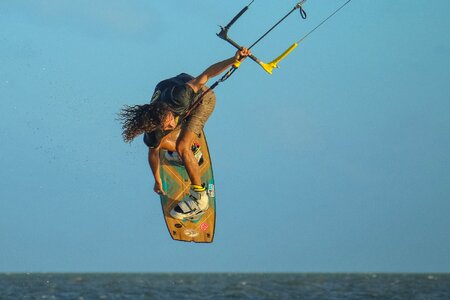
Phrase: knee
(182, 148)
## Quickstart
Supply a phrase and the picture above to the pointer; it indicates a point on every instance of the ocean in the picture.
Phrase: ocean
(223, 286)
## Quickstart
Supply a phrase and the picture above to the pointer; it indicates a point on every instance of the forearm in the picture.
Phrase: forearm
(214, 70)
(197, 83)
(153, 160)
(217, 68)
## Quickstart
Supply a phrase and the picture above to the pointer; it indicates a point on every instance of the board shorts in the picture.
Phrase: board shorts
(198, 117)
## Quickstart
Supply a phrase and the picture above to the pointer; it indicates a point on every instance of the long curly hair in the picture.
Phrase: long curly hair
(138, 119)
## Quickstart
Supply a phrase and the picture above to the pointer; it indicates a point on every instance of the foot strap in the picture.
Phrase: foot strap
(198, 188)
(187, 207)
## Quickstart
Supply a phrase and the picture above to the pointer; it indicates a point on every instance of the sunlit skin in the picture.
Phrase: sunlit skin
(169, 122)
(182, 143)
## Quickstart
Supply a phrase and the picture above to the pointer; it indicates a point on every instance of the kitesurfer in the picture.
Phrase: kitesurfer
(172, 107)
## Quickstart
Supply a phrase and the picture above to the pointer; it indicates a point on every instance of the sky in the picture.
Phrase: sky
(338, 162)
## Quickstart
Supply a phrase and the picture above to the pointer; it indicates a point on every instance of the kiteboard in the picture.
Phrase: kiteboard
(176, 185)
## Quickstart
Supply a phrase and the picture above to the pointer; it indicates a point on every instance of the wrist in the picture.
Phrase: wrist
(157, 178)
(234, 61)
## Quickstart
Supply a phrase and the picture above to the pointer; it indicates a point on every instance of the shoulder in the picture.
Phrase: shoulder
(153, 139)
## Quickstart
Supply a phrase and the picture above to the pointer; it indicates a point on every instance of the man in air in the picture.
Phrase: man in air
(174, 104)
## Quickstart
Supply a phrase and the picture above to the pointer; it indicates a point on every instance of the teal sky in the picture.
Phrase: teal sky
(338, 162)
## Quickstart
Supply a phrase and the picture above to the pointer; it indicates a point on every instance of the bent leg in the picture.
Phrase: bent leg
(183, 147)
(169, 142)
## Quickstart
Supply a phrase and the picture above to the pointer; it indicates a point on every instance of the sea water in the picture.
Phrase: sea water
(224, 286)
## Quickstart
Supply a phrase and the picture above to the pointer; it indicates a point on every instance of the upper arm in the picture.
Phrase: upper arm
(153, 151)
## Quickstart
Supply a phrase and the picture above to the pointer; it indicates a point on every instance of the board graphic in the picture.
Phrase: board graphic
(176, 185)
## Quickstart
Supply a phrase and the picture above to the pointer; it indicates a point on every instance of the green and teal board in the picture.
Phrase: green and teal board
(176, 185)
